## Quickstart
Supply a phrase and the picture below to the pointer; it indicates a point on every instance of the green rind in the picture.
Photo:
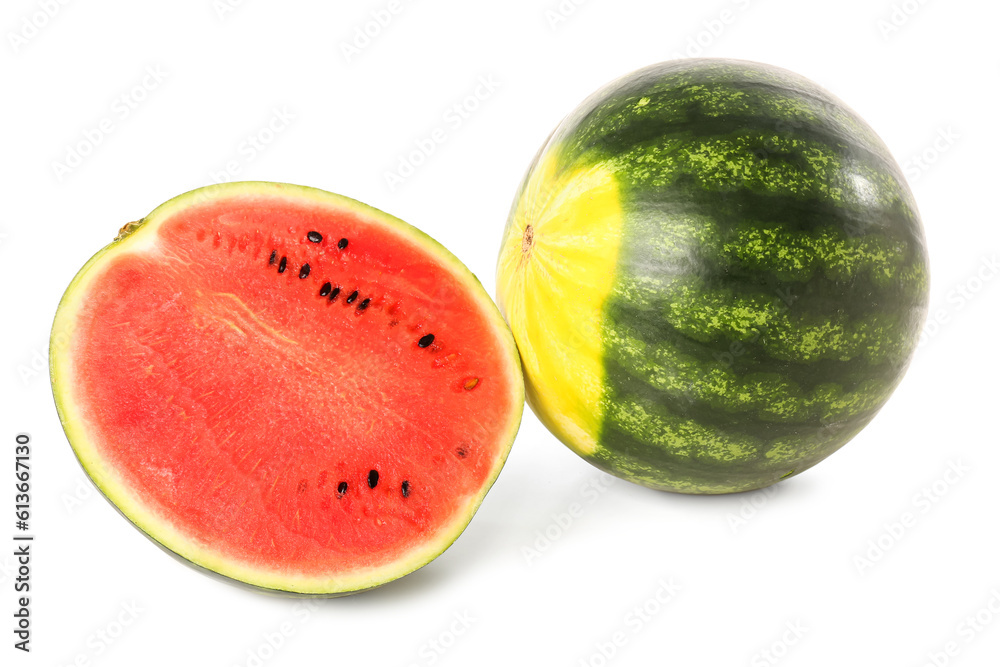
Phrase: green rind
(772, 279)
(131, 237)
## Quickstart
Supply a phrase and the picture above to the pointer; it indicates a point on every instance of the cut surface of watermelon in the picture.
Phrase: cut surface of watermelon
(286, 387)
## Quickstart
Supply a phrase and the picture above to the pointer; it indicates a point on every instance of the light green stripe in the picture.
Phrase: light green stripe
(794, 255)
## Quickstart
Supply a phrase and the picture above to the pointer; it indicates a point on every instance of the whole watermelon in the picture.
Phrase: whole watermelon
(716, 276)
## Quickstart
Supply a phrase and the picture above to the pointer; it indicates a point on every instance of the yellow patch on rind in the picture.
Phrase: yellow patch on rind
(552, 285)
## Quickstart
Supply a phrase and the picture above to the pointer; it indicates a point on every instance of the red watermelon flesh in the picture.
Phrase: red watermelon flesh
(286, 387)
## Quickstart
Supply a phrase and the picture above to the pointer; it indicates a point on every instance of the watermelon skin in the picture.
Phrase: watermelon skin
(219, 392)
(716, 275)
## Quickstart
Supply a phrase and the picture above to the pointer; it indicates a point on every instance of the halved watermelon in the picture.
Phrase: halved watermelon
(286, 387)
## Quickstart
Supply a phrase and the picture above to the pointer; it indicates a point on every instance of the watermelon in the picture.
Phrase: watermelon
(286, 387)
(715, 274)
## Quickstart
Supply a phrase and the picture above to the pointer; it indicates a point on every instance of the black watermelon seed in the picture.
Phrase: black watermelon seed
(274, 256)
(282, 264)
(426, 340)
(372, 478)
(364, 304)
(342, 488)
(304, 271)
(342, 243)
(462, 452)
(315, 237)
(325, 289)
(334, 293)
(406, 489)
(353, 297)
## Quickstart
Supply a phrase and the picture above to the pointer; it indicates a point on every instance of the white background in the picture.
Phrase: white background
(747, 566)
